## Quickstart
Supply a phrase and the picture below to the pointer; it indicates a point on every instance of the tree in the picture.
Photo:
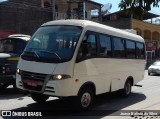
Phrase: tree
(138, 7)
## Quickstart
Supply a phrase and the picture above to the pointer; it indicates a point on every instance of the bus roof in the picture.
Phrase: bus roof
(97, 27)
(20, 36)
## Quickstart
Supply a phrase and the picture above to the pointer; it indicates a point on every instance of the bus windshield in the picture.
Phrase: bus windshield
(12, 45)
(52, 44)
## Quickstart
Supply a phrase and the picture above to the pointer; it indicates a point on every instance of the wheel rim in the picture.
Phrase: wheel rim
(86, 99)
(128, 88)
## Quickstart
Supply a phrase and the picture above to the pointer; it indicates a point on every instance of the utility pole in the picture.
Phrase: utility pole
(84, 9)
(53, 9)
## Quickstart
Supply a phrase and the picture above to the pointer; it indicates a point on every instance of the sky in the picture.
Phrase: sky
(1, 0)
(116, 8)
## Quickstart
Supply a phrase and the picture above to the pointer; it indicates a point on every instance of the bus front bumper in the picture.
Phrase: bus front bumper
(57, 88)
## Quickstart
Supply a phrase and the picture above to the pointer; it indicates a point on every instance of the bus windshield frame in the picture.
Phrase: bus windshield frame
(52, 44)
(12, 45)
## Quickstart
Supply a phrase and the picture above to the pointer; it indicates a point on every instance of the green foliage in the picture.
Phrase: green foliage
(143, 4)
(138, 7)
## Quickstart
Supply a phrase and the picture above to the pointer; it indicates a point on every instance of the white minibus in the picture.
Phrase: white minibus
(80, 58)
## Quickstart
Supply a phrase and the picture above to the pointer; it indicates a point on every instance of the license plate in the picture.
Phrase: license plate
(32, 83)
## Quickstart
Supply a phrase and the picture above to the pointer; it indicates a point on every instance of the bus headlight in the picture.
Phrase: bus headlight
(6, 70)
(60, 77)
(18, 71)
(3, 70)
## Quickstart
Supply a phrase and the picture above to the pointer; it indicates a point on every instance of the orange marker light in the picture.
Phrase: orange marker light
(77, 80)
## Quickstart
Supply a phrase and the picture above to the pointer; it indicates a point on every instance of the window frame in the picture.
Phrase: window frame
(99, 46)
(124, 44)
(134, 49)
(144, 53)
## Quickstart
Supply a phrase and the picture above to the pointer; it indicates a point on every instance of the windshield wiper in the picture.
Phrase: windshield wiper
(50, 53)
(30, 55)
(36, 54)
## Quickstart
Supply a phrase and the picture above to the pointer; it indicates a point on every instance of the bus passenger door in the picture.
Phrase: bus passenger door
(86, 68)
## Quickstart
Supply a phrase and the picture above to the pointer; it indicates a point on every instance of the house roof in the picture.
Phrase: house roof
(125, 13)
(88, 1)
(96, 3)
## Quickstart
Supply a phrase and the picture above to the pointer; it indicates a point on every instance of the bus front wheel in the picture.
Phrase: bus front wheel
(85, 98)
(3, 86)
(39, 98)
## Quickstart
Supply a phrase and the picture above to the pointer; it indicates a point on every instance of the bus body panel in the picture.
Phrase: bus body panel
(44, 68)
(89, 70)
(94, 70)
(109, 73)
(52, 87)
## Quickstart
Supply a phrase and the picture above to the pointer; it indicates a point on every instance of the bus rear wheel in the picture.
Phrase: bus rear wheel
(126, 91)
(39, 98)
(85, 98)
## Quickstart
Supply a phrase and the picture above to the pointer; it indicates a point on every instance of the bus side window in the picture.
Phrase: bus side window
(130, 49)
(118, 48)
(140, 51)
(91, 45)
(88, 47)
(105, 45)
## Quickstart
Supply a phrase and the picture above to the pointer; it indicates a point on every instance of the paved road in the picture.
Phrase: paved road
(105, 106)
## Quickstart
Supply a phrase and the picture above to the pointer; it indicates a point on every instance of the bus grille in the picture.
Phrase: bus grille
(33, 81)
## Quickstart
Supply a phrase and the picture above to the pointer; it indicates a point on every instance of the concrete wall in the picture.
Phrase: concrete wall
(121, 23)
(23, 17)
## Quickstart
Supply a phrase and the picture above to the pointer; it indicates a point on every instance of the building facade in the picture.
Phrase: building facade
(148, 30)
(25, 16)
(22, 16)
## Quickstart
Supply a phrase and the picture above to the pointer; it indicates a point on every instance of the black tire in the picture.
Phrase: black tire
(3, 86)
(39, 98)
(14, 86)
(149, 73)
(85, 99)
(126, 91)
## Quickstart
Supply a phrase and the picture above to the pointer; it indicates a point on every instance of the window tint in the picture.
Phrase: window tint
(88, 47)
(130, 49)
(118, 48)
(91, 45)
(54, 43)
(140, 51)
(7, 45)
(105, 45)
(20, 45)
